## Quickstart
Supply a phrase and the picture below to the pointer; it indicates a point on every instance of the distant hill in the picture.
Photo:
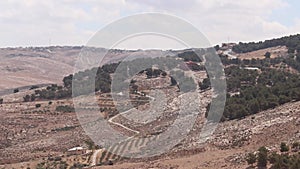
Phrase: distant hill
(292, 42)
(31, 66)
(47, 65)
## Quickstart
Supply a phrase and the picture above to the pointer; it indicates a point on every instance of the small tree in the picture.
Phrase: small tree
(38, 105)
(296, 145)
(268, 55)
(32, 97)
(262, 159)
(1, 101)
(273, 158)
(90, 144)
(205, 84)
(284, 147)
(251, 159)
(26, 98)
(33, 87)
(298, 56)
(16, 90)
(282, 161)
(173, 81)
(217, 47)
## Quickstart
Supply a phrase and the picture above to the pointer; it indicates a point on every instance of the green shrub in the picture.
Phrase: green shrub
(65, 108)
(251, 158)
(284, 147)
(16, 90)
(33, 87)
(296, 145)
(262, 159)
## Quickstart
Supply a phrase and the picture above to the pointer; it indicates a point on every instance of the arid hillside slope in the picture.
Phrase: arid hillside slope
(44, 65)
(232, 141)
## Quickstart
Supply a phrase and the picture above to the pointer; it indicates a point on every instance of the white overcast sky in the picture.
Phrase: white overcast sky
(74, 22)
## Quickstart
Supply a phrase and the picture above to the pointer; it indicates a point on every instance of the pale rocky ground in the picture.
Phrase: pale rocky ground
(27, 132)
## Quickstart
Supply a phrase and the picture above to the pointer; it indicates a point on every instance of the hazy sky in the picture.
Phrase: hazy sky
(73, 22)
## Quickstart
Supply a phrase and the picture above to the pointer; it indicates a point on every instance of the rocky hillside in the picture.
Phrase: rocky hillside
(232, 141)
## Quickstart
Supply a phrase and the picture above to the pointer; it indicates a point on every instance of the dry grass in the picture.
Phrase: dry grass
(259, 54)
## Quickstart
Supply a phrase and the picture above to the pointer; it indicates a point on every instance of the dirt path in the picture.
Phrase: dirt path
(121, 125)
(95, 154)
(94, 157)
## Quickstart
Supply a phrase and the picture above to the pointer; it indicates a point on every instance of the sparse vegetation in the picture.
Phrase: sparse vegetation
(284, 147)
(267, 55)
(277, 161)
(16, 90)
(292, 42)
(190, 56)
(296, 146)
(262, 159)
(205, 84)
(91, 145)
(33, 87)
(66, 128)
(26, 98)
(78, 166)
(65, 108)
(251, 159)
(52, 164)
(173, 81)
(52, 92)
